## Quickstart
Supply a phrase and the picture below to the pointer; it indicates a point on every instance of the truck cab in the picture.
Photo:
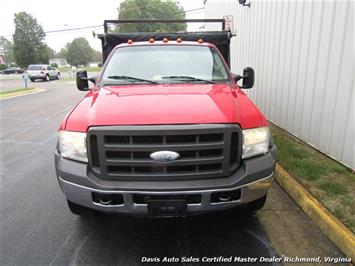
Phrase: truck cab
(165, 130)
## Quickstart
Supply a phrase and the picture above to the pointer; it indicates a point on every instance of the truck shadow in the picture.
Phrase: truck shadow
(127, 240)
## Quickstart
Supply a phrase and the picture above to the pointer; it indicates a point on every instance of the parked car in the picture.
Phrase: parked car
(44, 72)
(165, 130)
(12, 70)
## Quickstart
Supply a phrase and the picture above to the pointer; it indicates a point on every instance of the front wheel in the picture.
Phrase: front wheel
(78, 209)
(46, 78)
(256, 205)
(58, 76)
(32, 80)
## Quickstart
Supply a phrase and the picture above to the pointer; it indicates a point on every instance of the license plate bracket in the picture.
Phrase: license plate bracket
(167, 208)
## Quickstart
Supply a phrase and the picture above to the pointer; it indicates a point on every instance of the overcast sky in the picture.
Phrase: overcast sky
(66, 14)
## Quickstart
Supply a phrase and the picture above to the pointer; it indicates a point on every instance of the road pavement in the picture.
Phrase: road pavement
(38, 229)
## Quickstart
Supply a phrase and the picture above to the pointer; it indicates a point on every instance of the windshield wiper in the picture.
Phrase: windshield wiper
(189, 78)
(132, 78)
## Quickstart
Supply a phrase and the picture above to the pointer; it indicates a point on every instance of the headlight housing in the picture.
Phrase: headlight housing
(255, 141)
(72, 145)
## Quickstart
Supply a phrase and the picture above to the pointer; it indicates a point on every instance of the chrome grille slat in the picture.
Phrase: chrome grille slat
(123, 152)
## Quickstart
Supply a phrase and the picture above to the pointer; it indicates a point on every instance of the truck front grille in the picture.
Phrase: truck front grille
(123, 152)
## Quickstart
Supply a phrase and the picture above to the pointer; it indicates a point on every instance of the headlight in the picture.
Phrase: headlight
(72, 145)
(255, 141)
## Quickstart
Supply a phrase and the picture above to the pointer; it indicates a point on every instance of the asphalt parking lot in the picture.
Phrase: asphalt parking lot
(38, 229)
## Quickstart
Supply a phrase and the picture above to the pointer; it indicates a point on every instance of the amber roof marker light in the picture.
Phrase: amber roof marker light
(165, 40)
(130, 42)
(200, 40)
(178, 40)
(151, 40)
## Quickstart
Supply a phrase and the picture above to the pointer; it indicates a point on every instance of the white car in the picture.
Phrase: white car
(45, 72)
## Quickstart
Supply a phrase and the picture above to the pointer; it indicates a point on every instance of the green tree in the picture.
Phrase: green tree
(78, 52)
(28, 39)
(62, 53)
(45, 54)
(51, 53)
(6, 48)
(96, 56)
(151, 9)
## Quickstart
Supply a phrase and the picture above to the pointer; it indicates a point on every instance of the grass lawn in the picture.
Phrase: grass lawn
(88, 69)
(328, 181)
(5, 92)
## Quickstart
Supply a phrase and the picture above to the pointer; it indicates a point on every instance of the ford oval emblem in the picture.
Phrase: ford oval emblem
(164, 156)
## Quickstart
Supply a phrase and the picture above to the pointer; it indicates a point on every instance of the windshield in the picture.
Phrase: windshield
(165, 64)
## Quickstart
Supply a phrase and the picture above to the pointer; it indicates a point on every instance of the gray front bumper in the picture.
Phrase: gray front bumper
(253, 179)
(83, 196)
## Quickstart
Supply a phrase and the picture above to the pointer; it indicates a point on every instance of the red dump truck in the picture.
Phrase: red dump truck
(165, 130)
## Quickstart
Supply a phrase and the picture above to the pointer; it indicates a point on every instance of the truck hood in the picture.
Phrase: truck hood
(164, 104)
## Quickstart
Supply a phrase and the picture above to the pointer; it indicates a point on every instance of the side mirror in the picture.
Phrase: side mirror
(236, 77)
(248, 78)
(82, 80)
(243, 3)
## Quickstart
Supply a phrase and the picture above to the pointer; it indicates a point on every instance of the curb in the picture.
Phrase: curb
(340, 235)
(20, 93)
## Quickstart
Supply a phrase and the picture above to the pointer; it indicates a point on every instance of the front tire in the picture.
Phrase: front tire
(78, 209)
(58, 76)
(32, 80)
(46, 78)
(256, 205)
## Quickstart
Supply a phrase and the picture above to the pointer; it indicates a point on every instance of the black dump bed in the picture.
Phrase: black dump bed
(219, 38)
